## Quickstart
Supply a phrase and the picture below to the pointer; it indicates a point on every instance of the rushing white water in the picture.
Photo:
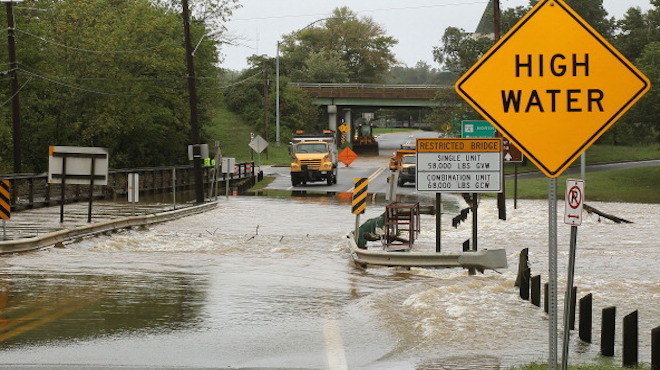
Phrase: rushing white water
(264, 282)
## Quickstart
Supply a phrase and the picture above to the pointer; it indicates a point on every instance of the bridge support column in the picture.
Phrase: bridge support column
(332, 117)
(348, 120)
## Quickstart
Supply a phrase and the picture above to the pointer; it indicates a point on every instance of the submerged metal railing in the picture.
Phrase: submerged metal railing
(33, 190)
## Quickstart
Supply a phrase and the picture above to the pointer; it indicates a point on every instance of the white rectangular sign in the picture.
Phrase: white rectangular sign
(574, 202)
(203, 151)
(459, 165)
(228, 165)
(75, 163)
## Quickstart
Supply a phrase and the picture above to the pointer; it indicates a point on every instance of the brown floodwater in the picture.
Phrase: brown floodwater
(268, 282)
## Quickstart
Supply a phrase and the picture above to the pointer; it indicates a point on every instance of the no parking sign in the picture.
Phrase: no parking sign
(574, 202)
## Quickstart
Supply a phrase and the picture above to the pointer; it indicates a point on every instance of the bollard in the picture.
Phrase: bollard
(655, 348)
(523, 263)
(630, 338)
(607, 330)
(524, 284)
(546, 297)
(585, 318)
(536, 290)
(571, 317)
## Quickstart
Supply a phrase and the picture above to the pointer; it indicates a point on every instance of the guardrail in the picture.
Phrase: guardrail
(33, 190)
(61, 236)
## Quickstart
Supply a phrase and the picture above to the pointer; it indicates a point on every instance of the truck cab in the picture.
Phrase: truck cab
(407, 169)
(314, 158)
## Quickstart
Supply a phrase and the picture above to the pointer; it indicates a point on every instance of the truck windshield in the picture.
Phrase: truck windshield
(409, 159)
(311, 148)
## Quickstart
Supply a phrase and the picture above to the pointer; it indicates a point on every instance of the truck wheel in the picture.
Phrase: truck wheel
(328, 179)
(334, 178)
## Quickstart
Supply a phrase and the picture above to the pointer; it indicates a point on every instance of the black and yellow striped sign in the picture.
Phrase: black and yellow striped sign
(360, 195)
(5, 199)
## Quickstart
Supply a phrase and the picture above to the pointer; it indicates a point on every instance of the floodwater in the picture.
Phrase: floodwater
(268, 282)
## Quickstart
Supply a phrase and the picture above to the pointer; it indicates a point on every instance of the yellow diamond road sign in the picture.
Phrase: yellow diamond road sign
(552, 85)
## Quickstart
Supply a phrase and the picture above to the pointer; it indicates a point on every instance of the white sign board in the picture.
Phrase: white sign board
(574, 202)
(258, 144)
(459, 165)
(228, 165)
(133, 187)
(75, 164)
(203, 150)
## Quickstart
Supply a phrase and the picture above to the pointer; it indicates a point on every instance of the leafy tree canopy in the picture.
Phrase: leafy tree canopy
(356, 47)
(107, 73)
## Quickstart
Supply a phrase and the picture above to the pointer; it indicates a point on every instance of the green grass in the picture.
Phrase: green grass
(612, 153)
(602, 154)
(636, 185)
(234, 136)
(389, 130)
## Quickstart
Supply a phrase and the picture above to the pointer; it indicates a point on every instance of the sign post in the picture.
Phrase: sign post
(133, 190)
(227, 169)
(359, 201)
(77, 165)
(5, 205)
(553, 99)
(574, 203)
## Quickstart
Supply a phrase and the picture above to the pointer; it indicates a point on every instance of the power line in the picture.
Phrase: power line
(17, 91)
(88, 50)
(366, 10)
(242, 81)
(70, 85)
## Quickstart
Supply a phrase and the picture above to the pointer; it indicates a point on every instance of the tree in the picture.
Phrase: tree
(323, 66)
(246, 97)
(459, 50)
(422, 73)
(107, 73)
(636, 30)
(360, 43)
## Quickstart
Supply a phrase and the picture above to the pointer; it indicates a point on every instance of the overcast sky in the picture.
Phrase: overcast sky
(418, 25)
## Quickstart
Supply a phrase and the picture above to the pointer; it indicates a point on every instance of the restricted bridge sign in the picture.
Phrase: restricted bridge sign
(459, 165)
(550, 97)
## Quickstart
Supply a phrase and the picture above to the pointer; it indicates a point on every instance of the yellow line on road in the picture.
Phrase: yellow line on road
(371, 177)
(45, 320)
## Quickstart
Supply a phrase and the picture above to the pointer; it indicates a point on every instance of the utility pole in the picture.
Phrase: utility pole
(192, 96)
(497, 31)
(15, 104)
(497, 20)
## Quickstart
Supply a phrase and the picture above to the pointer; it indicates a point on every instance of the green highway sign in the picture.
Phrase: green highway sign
(477, 129)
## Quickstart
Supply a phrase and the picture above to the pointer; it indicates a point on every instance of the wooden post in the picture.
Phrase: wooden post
(546, 297)
(524, 284)
(655, 348)
(630, 339)
(536, 290)
(585, 318)
(608, 325)
(523, 263)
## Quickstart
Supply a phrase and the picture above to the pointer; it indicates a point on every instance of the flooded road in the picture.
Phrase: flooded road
(268, 282)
